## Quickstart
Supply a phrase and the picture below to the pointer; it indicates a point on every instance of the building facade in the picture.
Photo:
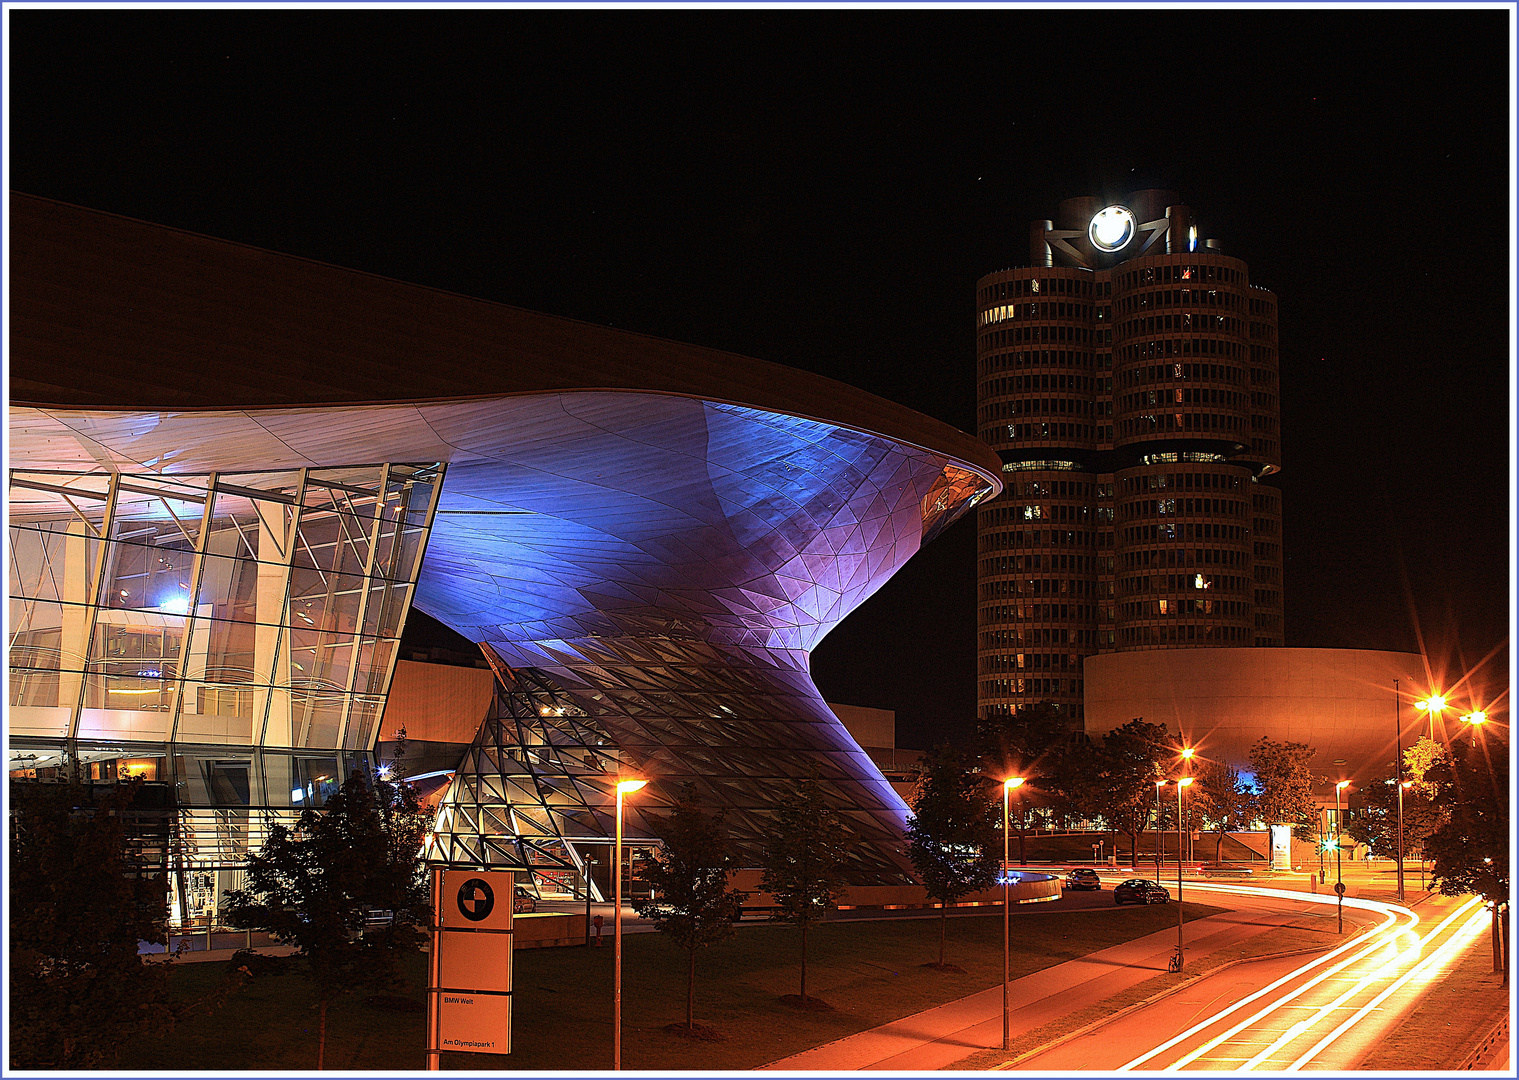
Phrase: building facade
(234, 473)
(1354, 707)
(1127, 378)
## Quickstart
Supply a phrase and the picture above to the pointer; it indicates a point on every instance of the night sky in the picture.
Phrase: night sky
(823, 189)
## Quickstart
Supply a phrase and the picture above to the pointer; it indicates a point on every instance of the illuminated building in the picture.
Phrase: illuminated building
(1127, 377)
(234, 472)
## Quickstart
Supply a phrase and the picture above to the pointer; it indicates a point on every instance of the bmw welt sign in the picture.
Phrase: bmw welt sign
(470, 988)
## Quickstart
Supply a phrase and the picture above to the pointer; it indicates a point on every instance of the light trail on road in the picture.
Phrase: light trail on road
(1444, 955)
(1375, 965)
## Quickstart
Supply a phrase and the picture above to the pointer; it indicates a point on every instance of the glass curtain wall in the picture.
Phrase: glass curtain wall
(227, 638)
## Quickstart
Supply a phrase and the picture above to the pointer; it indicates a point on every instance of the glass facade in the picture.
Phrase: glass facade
(228, 638)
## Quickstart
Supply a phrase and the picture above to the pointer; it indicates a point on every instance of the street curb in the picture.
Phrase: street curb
(1095, 1024)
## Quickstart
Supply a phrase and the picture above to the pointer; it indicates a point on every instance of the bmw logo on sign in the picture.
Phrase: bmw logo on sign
(476, 899)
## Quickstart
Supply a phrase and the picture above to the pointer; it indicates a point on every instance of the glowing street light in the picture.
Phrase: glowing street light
(1431, 705)
(624, 787)
(1007, 904)
(1181, 783)
(1475, 718)
(1339, 883)
(1397, 731)
(1186, 764)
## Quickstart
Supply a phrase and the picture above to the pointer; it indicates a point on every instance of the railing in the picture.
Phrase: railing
(1482, 1055)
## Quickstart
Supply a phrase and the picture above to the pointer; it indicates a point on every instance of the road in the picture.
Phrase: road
(1318, 1012)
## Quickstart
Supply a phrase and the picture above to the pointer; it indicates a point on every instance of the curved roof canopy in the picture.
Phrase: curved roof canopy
(112, 313)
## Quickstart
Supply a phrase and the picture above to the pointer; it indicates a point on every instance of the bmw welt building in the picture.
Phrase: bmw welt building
(234, 473)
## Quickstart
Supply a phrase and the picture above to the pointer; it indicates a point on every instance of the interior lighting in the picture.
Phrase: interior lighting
(1112, 228)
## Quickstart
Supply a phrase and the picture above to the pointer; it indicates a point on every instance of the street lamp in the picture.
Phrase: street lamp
(1180, 955)
(1397, 731)
(624, 787)
(1158, 785)
(1431, 705)
(1339, 883)
(1007, 904)
(1186, 764)
(1475, 719)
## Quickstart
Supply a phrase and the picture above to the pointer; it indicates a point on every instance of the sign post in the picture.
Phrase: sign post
(469, 986)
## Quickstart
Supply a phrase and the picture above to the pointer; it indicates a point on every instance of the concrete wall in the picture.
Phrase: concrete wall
(1339, 701)
(868, 727)
(436, 702)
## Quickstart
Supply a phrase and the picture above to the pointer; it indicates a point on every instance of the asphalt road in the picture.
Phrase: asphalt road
(1315, 1012)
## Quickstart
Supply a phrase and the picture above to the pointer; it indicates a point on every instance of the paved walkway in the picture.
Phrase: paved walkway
(939, 1037)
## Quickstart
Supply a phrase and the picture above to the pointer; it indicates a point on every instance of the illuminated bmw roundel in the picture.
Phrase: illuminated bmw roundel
(1112, 228)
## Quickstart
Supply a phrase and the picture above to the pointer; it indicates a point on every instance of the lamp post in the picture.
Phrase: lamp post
(1180, 954)
(1007, 905)
(1158, 785)
(1431, 705)
(624, 787)
(1186, 765)
(1339, 883)
(1475, 719)
(1397, 730)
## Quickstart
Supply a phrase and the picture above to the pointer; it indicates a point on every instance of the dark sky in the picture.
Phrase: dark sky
(822, 189)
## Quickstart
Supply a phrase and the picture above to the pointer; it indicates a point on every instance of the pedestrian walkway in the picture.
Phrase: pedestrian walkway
(939, 1037)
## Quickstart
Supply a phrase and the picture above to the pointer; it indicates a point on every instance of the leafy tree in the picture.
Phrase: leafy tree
(1376, 825)
(1470, 849)
(78, 908)
(952, 835)
(1225, 798)
(1419, 759)
(1075, 779)
(689, 876)
(1130, 765)
(804, 862)
(314, 885)
(1018, 744)
(1283, 784)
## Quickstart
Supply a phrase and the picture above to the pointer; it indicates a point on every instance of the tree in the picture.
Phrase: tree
(1075, 777)
(78, 908)
(952, 834)
(1129, 767)
(804, 862)
(1283, 784)
(1226, 800)
(689, 877)
(1419, 759)
(313, 886)
(1470, 849)
(1376, 825)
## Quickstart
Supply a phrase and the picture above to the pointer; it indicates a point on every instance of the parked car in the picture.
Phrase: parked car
(1218, 869)
(1083, 877)
(1140, 891)
(523, 901)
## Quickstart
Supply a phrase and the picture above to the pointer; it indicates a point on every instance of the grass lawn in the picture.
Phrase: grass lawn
(871, 972)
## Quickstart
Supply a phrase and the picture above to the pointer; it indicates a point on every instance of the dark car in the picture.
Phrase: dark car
(1140, 891)
(1083, 877)
(523, 902)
